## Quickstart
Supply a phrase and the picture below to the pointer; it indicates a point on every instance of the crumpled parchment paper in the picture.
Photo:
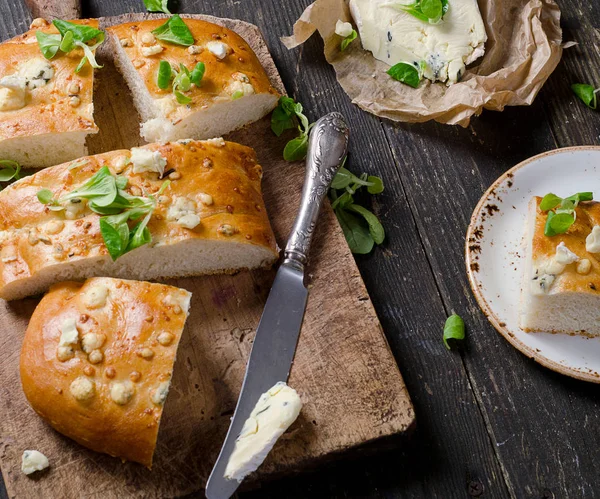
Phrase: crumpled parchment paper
(522, 50)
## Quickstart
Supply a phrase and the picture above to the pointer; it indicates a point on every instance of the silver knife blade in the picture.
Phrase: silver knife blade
(279, 327)
(270, 361)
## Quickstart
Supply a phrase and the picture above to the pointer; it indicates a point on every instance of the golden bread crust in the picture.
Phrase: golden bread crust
(48, 109)
(34, 238)
(132, 317)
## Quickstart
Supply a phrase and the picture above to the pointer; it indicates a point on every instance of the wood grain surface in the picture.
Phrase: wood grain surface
(491, 423)
(344, 371)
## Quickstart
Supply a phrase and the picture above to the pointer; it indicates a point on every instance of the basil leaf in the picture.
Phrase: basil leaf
(558, 223)
(342, 179)
(113, 236)
(49, 44)
(10, 170)
(140, 234)
(175, 31)
(432, 9)
(289, 105)
(406, 73)
(454, 329)
(282, 117)
(45, 196)
(121, 182)
(581, 196)
(182, 99)
(67, 44)
(165, 74)
(198, 73)
(348, 40)
(101, 188)
(376, 186)
(296, 149)
(550, 201)
(375, 228)
(80, 32)
(356, 233)
(586, 93)
(157, 6)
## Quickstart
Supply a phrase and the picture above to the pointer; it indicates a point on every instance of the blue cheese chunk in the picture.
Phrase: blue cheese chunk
(443, 50)
(33, 461)
(145, 160)
(274, 413)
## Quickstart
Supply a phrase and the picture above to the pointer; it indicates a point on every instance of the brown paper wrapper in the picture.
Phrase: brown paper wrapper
(522, 50)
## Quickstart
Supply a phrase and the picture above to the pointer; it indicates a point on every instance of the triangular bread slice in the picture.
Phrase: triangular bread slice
(46, 109)
(211, 218)
(234, 91)
(97, 362)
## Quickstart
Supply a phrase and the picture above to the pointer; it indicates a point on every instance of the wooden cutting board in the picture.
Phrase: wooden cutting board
(351, 387)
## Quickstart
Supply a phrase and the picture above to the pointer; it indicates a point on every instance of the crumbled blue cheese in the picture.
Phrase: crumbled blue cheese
(219, 49)
(274, 413)
(240, 85)
(592, 241)
(82, 389)
(30, 74)
(584, 266)
(69, 335)
(343, 29)
(160, 394)
(33, 461)
(540, 284)
(121, 392)
(564, 255)
(95, 296)
(145, 160)
(183, 212)
(395, 36)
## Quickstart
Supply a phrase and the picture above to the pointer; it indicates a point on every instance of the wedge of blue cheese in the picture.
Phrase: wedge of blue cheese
(442, 50)
(274, 413)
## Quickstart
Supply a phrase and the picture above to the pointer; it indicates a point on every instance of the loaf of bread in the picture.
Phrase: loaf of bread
(46, 109)
(210, 219)
(561, 283)
(97, 361)
(234, 91)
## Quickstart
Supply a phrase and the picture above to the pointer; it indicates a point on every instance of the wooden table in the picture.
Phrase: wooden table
(490, 422)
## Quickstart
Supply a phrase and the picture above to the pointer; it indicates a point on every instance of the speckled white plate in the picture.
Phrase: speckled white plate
(494, 254)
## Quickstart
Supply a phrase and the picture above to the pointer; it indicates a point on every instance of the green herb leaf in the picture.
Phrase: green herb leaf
(80, 32)
(283, 115)
(356, 232)
(115, 235)
(586, 93)
(432, 8)
(558, 223)
(342, 179)
(238, 94)
(406, 73)
(67, 43)
(296, 149)
(175, 31)
(198, 73)
(550, 201)
(101, 188)
(157, 6)
(165, 75)
(10, 170)
(376, 186)
(454, 329)
(49, 44)
(428, 11)
(375, 228)
(581, 196)
(140, 234)
(348, 40)
(45, 196)
(182, 99)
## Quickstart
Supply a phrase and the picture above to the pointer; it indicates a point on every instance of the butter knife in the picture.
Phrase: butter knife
(279, 328)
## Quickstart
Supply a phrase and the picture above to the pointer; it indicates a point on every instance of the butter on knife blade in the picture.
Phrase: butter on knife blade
(274, 413)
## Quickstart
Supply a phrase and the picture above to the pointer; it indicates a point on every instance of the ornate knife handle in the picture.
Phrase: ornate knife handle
(327, 147)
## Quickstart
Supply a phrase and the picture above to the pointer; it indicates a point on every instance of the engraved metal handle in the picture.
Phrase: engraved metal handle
(327, 147)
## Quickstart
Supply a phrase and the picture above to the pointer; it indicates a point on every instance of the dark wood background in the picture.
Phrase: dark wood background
(490, 422)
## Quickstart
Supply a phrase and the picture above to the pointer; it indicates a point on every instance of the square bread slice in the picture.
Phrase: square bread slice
(46, 109)
(97, 361)
(234, 91)
(561, 280)
(210, 219)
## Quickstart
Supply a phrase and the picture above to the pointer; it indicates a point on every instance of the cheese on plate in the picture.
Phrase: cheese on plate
(274, 413)
(442, 50)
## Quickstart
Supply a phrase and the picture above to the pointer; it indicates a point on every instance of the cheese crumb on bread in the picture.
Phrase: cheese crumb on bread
(114, 405)
(32, 461)
(46, 109)
(234, 91)
(561, 279)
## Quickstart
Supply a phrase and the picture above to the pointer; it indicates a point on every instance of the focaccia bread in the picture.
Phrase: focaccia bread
(561, 283)
(210, 219)
(234, 91)
(97, 361)
(46, 109)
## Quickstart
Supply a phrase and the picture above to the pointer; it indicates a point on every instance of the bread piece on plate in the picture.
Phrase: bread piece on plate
(234, 91)
(97, 361)
(46, 109)
(561, 281)
(210, 219)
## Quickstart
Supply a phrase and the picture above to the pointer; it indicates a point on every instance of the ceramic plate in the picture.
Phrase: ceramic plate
(495, 256)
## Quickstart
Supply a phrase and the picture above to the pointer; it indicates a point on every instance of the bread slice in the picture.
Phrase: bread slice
(235, 89)
(561, 279)
(97, 362)
(46, 109)
(211, 219)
